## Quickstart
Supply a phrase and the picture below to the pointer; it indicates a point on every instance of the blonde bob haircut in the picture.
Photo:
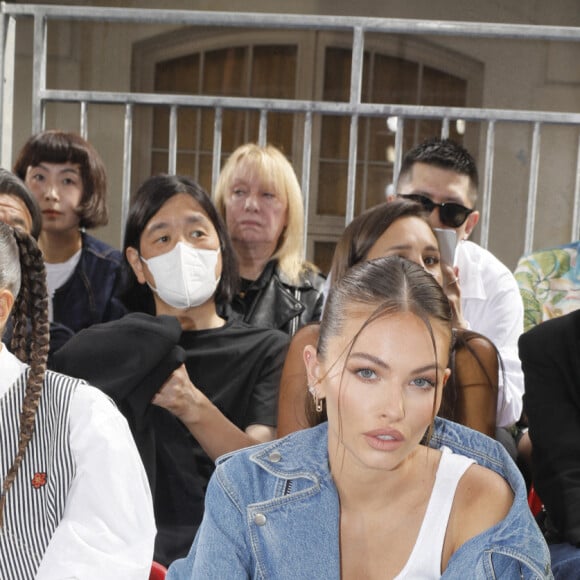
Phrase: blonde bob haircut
(269, 165)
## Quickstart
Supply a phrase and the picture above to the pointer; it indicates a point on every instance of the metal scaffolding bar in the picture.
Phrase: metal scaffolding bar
(533, 189)
(296, 21)
(358, 27)
(487, 185)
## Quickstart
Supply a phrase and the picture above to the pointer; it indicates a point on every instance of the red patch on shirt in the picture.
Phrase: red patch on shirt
(39, 480)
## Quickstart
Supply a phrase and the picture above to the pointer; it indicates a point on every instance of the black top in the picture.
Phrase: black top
(550, 355)
(236, 366)
(272, 301)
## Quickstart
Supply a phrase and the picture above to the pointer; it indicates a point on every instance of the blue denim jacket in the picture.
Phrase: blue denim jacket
(90, 295)
(273, 513)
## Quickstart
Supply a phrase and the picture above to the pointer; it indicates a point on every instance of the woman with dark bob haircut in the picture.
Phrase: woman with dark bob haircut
(59, 147)
(213, 383)
(67, 177)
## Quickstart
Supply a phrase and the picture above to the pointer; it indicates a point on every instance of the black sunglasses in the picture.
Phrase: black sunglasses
(451, 214)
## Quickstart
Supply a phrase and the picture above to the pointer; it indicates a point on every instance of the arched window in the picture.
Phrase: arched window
(303, 65)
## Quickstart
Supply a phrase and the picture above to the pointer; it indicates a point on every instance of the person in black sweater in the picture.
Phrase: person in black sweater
(212, 382)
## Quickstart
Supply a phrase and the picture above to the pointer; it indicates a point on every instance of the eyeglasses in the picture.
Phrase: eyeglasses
(451, 214)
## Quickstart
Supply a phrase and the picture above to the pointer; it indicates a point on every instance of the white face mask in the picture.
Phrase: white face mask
(184, 276)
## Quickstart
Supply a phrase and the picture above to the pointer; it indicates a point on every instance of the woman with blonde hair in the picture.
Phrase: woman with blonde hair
(259, 197)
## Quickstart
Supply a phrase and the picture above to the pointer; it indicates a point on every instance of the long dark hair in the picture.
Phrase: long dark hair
(362, 233)
(22, 272)
(353, 247)
(148, 200)
(387, 285)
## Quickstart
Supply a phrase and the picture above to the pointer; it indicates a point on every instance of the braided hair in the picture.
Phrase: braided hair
(22, 272)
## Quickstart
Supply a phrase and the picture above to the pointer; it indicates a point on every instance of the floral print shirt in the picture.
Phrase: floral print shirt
(549, 282)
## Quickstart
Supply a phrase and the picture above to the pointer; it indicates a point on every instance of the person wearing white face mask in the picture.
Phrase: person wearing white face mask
(196, 281)
(213, 383)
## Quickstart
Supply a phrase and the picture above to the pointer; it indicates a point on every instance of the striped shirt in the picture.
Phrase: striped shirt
(36, 500)
(107, 528)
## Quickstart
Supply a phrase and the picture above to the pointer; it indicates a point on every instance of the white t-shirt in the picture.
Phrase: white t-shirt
(57, 275)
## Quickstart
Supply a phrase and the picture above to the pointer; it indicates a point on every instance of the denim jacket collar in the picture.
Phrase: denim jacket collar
(514, 545)
(278, 505)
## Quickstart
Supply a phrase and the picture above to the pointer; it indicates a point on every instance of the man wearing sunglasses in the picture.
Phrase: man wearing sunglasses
(443, 177)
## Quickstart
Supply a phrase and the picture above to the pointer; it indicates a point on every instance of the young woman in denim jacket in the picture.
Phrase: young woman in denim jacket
(84, 275)
(400, 227)
(380, 490)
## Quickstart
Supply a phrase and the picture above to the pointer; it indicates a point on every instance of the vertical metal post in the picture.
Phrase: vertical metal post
(487, 185)
(127, 154)
(398, 149)
(355, 99)
(39, 72)
(445, 128)
(217, 147)
(7, 61)
(3, 34)
(263, 130)
(84, 121)
(306, 165)
(532, 189)
(172, 160)
(576, 216)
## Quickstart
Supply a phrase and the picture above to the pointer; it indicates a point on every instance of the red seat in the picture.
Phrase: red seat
(534, 501)
(157, 571)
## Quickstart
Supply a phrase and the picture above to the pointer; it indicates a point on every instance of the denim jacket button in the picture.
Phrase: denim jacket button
(275, 456)
(260, 519)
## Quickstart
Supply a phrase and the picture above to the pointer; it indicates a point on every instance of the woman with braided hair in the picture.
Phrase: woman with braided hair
(74, 497)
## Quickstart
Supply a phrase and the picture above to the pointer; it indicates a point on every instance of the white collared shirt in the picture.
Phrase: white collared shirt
(108, 528)
(492, 304)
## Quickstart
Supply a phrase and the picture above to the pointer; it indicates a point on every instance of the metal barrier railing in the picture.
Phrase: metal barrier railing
(358, 26)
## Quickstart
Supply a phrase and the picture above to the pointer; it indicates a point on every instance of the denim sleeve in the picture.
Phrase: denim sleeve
(499, 563)
(221, 548)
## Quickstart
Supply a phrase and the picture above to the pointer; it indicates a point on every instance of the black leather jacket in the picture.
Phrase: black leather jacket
(272, 301)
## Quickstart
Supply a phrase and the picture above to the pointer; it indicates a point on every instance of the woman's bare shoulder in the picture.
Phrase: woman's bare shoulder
(482, 500)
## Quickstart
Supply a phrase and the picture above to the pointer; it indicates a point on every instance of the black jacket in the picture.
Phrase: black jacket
(272, 301)
(236, 366)
(550, 355)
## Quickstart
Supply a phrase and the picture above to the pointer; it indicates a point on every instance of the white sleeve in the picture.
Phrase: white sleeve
(502, 321)
(493, 306)
(108, 527)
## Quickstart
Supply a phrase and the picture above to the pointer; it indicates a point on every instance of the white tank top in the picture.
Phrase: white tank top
(425, 559)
